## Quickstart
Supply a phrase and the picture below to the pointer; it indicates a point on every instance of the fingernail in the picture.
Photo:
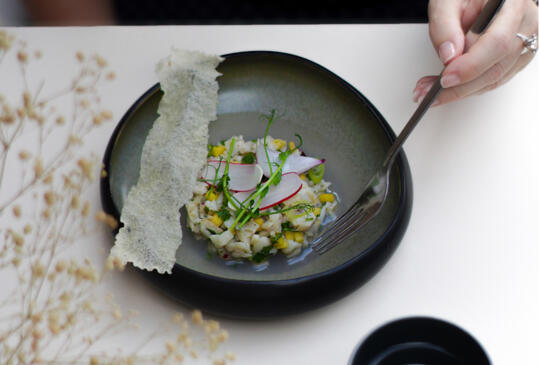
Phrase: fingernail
(416, 94)
(447, 51)
(436, 102)
(449, 80)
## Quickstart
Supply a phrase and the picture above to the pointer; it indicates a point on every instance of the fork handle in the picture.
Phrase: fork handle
(479, 26)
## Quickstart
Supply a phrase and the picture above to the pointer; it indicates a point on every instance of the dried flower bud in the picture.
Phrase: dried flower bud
(178, 317)
(27, 99)
(80, 56)
(38, 270)
(80, 89)
(117, 314)
(48, 179)
(27, 229)
(101, 61)
(111, 221)
(75, 202)
(16, 261)
(37, 317)
(230, 356)
(22, 56)
(109, 266)
(38, 167)
(17, 211)
(49, 198)
(94, 360)
(5, 40)
(171, 347)
(17, 239)
(87, 168)
(31, 112)
(46, 214)
(100, 216)
(196, 316)
(213, 326)
(85, 103)
(24, 155)
(21, 113)
(194, 354)
(97, 120)
(54, 328)
(118, 264)
(61, 265)
(223, 336)
(60, 120)
(106, 114)
(38, 54)
(85, 209)
(74, 140)
(111, 76)
(219, 362)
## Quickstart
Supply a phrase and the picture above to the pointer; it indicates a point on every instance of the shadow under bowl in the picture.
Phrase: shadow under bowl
(337, 123)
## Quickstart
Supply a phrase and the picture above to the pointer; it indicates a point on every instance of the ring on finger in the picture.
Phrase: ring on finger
(529, 43)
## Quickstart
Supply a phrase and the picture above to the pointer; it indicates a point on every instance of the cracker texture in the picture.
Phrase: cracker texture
(174, 152)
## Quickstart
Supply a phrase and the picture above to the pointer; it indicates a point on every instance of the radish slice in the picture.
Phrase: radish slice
(243, 177)
(294, 163)
(288, 187)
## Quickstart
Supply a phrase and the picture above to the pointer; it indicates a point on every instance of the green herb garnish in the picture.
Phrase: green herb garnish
(248, 158)
(261, 255)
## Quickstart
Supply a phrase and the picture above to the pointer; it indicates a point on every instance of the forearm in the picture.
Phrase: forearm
(69, 12)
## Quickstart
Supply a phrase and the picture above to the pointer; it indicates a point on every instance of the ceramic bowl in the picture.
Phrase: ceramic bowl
(337, 123)
(419, 340)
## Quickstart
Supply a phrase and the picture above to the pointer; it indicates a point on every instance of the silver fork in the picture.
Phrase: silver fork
(374, 195)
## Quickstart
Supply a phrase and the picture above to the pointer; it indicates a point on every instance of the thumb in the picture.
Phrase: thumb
(445, 28)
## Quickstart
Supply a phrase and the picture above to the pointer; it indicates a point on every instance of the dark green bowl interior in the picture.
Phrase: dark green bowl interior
(334, 120)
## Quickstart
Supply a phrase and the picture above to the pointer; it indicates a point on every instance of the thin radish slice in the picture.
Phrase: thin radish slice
(243, 177)
(288, 187)
(294, 163)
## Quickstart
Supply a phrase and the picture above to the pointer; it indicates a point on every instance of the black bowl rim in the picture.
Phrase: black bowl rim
(415, 319)
(401, 216)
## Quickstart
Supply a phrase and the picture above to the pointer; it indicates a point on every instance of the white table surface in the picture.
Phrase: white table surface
(470, 253)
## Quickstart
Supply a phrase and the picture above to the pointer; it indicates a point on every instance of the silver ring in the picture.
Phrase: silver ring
(529, 43)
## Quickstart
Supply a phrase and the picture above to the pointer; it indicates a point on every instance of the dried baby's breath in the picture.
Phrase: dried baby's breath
(53, 314)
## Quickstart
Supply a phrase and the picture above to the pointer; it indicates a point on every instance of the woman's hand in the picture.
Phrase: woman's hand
(493, 59)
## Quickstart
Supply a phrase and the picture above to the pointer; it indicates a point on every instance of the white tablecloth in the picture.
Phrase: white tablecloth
(470, 254)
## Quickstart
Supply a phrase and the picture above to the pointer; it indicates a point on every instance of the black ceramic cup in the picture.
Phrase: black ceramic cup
(419, 341)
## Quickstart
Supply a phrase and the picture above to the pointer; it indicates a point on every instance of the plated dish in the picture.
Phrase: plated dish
(331, 115)
(260, 197)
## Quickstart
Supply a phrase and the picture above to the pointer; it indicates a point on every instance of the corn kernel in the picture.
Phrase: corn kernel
(299, 237)
(281, 244)
(211, 196)
(317, 211)
(217, 150)
(292, 146)
(289, 235)
(216, 220)
(279, 143)
(326, 198)
(303, 177)
(259, 221)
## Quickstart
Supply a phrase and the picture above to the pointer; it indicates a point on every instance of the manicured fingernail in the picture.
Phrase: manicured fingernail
(416, 94)
(449, 80)
(447, 51)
